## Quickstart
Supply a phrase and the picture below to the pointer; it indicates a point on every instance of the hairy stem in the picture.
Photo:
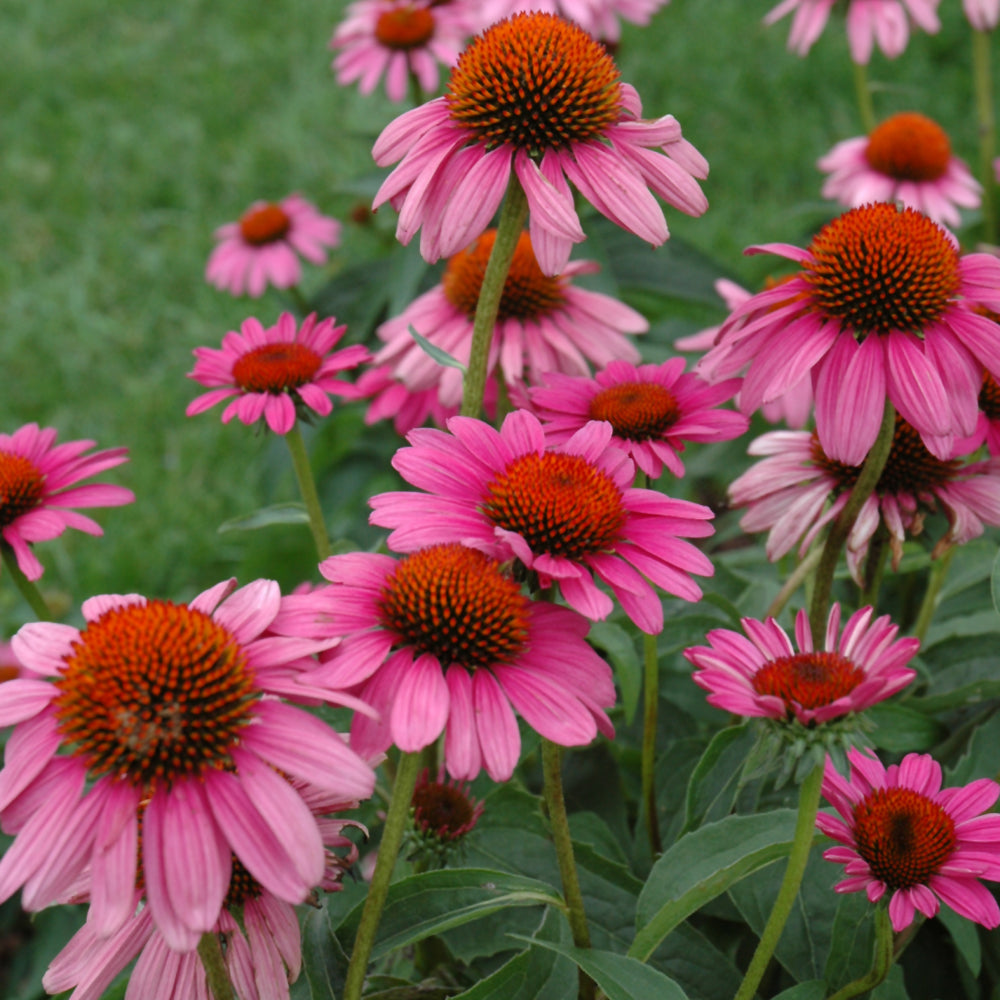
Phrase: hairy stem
(651, 698)
(939, 572)
(29, 591)
(863, 93)
(307, 488)
(986, 126)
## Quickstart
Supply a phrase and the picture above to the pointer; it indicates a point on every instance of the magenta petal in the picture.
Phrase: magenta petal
(499, 738)
(420, 706)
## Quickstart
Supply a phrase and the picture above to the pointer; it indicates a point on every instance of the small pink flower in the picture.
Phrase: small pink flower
(797, 490)
(265, 245)
(901, 833)
(398, 39)
(37, 491)
(983, 15)
(565, 513)
(868, 21)
(907, 159)
(442, 640)
(158, 730)
(760, 674)
(652, 409)
(276, 373)
(884, 305)
(598, 17)
(568, 119)
(406, 408)
(544, 324)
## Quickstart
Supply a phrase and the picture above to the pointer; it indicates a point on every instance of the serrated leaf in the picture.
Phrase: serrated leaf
(435, 352)
(619, 647)
(265, 517)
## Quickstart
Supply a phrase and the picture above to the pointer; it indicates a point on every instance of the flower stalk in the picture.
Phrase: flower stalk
(210, 953)
(863, 93)
(307, 489)
(28, 590)
(986, 127)
(881, 962)
(513, 213)
(651, 697)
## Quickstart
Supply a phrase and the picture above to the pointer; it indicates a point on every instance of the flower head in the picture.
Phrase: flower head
(797, 489)
(907, 159)
(398, 39)
(37, 490)
(563, 513)
(761, 674)
(652, 409)
(276, 373)
(155, 736)
(443, 640)
(539, 96)
(886, 22)
(265, 245)
(884, 305)
(443, 814)
(544, 324)
(901, 833)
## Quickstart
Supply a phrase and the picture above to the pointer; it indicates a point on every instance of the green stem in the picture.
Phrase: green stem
(797, 858)
(388, 850)
(863, 93)
(986, 124)
(210, 953)
(864, 486)
(512, 215)
(793, 582)
(307, 487)
(939, 572)
(881, 961)
(651, 699)
(559, 821)
(28, 590)
(878, 552)
(300, 304)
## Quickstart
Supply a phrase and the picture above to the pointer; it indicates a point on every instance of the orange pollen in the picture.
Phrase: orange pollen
(989, 397)
(442, 810)
(910, 468)
(266, 224)
(903, 835)
(878, 268)
(536, 82)
(276, 368)
(22, 486)
(909, 147)
(527, 293)
(404, 27)
(154, 692)
(637, 411)
(810, 680)
(454, 603)
(561, 505)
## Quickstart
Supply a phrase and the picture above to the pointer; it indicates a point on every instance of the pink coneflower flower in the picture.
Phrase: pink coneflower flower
(564, 513)
(884, 305)
(262, 945)
(539, 96)
(598, 17)
(391, 400)
(907, 159)
(886, 22)
(444, 641)
(983, 15)
(10, 665)
(903, 834)
(400, 40)
(652, 409)
(276, 373)
(760, 674)
(160, 724)
(797, 489)
(544, 324)
(37, 489)
(264, 247)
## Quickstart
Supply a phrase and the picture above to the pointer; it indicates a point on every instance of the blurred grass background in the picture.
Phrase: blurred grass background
(129, 132)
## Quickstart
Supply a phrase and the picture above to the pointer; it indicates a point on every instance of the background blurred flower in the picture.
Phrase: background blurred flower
(598, 17)
(982, 14)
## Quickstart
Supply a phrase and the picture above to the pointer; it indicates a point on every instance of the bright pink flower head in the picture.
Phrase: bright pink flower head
(884, 306)
(598, 17)
(276, 372)
(545, 324)
(565, 513)
(538, 95)
(797, 490)
(398, 39)
(761, 674)
(161, 724)
(264, 247)
(37, 489)
(902, 833)
(653, 410)
(886, 22)
(907, 159)
(983, 15)
(443, 640)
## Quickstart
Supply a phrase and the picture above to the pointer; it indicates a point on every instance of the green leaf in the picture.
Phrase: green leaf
(323, 958)
(701, 968)
(265, 517)
(982, 753)
(432, 902)
(995, 583)
(715, 781)
(814, 989)
(702, 865)
(435, 352)
(619, 647)
(899, 727)
(621, 977)
(965, 936)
